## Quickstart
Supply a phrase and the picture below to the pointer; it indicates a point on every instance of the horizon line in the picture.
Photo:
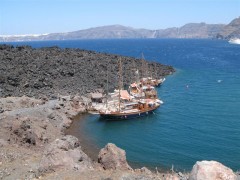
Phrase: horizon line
(44, 34)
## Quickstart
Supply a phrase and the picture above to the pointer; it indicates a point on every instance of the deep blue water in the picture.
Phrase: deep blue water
(200, 117)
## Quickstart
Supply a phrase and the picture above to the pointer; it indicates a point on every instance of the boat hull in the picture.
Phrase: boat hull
(122, 116)
(234, 41)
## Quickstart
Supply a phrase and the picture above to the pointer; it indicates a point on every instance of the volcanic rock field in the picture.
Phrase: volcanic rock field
(52, 71)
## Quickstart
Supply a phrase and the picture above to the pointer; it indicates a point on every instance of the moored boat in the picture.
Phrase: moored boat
(132, 110)
(128, 106)
(234, 41)
(151, 81)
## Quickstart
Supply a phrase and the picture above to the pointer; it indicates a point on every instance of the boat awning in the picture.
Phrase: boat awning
(147, 87)
(125, 95)
(97, 95)
(133, 85)
(131, 104)
(149, 101)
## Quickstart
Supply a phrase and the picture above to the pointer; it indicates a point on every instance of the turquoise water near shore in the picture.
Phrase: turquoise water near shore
(200, 117)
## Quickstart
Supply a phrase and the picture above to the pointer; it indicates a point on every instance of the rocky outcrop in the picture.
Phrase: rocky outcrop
(23, 132)
(209, 170)
(32, 122)
(13, 103)
(28, 130)
(48, 72)
(65, 153)
(112, 157)
(27, 126)
(191, 30)
(232, 30)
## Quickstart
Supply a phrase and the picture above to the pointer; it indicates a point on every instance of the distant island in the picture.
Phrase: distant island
(188, 31)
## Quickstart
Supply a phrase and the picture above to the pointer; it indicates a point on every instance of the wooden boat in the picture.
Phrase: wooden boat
(129, 107)
(158, 82)
(152, 82)
(132, 110)
(136, 91)
(147, 75)
(143, 91)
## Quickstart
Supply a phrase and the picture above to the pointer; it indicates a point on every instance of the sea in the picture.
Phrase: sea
(200, 117)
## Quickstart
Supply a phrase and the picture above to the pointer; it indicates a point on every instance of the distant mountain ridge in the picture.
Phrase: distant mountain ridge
(231, 30)
(190, 30)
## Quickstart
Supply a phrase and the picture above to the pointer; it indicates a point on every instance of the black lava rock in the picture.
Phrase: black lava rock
(52, 71)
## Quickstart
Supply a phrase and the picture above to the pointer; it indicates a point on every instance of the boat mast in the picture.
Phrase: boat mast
(146, 70)
(155, 64)
(141, 88)
(133, 78)
(142, 66)
(137, 77)
(107, 86)
(151, 69)
(120, 83)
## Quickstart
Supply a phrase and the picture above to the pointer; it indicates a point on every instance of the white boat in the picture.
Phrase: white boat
(234, 41)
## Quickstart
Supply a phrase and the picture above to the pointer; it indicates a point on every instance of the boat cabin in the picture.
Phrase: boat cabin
(97, 97)
(150, 92)
(134, 88)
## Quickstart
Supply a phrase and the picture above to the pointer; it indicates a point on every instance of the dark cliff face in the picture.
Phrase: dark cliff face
(191, 30)
(231, 30)
(53, 71)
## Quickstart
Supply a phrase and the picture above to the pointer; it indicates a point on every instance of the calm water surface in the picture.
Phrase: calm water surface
(200, 117)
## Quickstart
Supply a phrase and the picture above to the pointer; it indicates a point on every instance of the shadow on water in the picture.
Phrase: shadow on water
(94, 132)
(87, 143)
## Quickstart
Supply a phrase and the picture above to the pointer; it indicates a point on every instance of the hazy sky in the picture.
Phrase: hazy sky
(47, 16)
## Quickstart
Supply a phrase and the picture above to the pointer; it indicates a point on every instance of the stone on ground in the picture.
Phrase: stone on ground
(112, 157)
(65, 153)
(209, 170)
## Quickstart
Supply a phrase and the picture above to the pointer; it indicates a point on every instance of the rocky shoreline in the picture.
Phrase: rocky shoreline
(33, 145)
(34, 118)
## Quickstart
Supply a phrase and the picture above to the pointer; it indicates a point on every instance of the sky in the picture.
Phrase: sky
(49, 16)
